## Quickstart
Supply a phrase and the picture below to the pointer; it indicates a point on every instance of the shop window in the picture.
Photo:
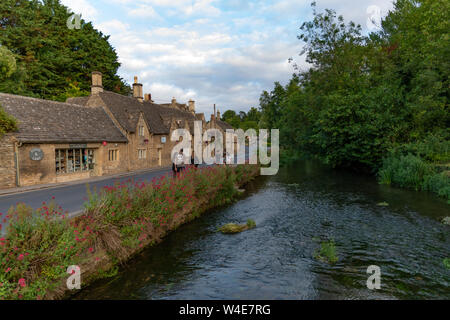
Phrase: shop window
(142, 154)
(74, 160)
(113, 155)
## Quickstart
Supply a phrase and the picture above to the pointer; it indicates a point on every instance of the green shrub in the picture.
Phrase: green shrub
(7, 123)
(438, 183)
(432, 148)
(405, 171)
(413, 172)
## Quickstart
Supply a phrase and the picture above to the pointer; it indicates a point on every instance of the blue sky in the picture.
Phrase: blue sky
(212, 51)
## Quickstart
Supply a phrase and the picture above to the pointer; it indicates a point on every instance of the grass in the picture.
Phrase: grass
(412, 172)
(327, 252)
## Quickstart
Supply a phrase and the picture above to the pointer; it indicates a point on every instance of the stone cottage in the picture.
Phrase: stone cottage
(102, 134)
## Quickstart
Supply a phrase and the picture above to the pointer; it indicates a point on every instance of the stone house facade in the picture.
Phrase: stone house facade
(102, 134)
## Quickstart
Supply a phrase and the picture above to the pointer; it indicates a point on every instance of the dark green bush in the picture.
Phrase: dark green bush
(413, 172)
(7, 123)
(438, 183)
(405, 171)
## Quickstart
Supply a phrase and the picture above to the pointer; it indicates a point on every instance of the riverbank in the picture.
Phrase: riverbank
(117, 224)
(401, 170)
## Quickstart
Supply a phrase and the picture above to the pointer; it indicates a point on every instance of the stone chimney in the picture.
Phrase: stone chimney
(148, 97)
(174, 102)
(192, 106)
(213, 116)
(97, 85)
(137, 90)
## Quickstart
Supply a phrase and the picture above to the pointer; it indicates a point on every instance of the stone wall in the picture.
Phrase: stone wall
(7, 162)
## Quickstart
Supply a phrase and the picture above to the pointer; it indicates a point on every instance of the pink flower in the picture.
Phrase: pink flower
(91, 249)
(7, 270)
(20, 257)
(22, 282)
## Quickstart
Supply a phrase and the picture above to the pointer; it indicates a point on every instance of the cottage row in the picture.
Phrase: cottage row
(103, 134)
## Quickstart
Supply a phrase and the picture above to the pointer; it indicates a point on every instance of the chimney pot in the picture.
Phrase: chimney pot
(148, 97)
(97, 82)
(138, 90)
(192, 106)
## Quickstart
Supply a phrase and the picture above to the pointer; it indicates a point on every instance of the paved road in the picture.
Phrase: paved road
(70, 197)
(73, 196)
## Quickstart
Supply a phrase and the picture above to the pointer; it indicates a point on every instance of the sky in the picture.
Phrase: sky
(223, 52)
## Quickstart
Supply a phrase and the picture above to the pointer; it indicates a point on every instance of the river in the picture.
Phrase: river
(295, 211)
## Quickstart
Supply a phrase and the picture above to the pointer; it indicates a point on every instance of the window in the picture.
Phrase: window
(142, 154)
(74, 160)
(113, 155)
(141, 131)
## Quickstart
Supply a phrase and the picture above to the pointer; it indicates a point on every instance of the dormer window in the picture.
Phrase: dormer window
(141, 131)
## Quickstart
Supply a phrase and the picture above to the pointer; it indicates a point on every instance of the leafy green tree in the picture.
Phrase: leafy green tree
(366, 95)
(244, 120)
(53, 55)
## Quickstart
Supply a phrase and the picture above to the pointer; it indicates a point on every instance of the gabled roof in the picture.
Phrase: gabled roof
(168, 113)
(153, 118)
(223, 125)
(56, 122)
(125, 109)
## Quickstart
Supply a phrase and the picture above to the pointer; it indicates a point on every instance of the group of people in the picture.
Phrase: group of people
(179, 161)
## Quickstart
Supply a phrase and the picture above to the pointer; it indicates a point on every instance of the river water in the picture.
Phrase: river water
(295, 211)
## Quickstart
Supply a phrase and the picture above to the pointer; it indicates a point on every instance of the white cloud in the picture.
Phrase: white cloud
(143, 11)
(215, 52)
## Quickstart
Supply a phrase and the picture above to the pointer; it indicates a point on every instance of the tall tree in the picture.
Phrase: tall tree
(56, 57)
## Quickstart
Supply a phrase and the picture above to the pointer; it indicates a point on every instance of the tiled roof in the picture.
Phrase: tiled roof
(81, 101)
(158, 116)
(223, 125)
(125, 109)
(168, 113)
(153, 118)
(49, 121)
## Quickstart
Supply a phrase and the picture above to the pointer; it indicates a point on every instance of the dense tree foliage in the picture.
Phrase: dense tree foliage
(243, 120)
(365, 96)
(376, 102)
(52, 60)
